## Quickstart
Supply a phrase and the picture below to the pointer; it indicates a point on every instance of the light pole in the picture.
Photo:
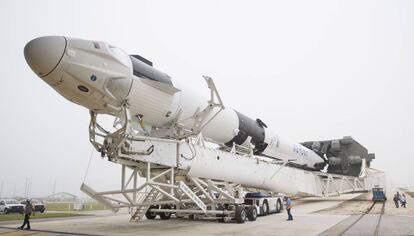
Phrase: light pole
(1, 188)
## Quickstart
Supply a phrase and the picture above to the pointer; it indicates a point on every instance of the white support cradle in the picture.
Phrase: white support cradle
(179, 173)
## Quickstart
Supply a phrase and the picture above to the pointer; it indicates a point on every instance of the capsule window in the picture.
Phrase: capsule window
(83, 88)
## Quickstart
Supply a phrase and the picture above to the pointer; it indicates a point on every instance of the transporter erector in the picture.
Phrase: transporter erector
(162, 129)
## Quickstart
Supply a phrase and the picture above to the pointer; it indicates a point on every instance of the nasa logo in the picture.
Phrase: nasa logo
(93, 77)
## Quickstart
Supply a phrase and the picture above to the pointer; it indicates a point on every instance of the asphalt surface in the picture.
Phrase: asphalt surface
(369, 218)
(345, 215)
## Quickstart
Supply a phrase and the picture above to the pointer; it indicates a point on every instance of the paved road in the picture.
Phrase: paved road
(305, 223)
(382, 219)
(312, 216)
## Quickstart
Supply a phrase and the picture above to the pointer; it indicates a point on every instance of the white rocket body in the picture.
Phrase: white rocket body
(101, 77)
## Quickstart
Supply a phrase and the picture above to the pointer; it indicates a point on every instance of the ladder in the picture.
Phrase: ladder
(141, 210)
(193, 196)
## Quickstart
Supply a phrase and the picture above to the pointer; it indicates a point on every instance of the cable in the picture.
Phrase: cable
(193, 152)
(87, 168)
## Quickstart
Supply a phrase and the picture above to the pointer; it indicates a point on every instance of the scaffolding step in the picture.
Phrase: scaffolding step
(193, 196)
(141, 210)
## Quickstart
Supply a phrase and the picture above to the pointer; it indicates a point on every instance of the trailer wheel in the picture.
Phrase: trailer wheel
(220, 217)
(278, 206)
(252, 213)
(151, 215)
(240, 214)
(165, 215)
(265, 208)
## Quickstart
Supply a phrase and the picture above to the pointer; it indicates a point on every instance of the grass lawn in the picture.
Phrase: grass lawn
(17, 216)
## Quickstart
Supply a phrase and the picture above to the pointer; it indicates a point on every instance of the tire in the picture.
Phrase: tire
(240, 214)
(220, 217)
(278, 206)
(6, 211)
(165, 215)
(265, 208)
(42, 211)
(150, 215)
(252, 213)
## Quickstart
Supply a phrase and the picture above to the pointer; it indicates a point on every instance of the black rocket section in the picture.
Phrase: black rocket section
(143, 68)
(143, 59)
(253, 128)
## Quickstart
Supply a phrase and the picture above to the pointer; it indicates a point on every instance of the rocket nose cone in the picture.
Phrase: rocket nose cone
(44, 54)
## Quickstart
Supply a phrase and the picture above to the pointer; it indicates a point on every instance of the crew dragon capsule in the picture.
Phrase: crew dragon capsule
(102, 77)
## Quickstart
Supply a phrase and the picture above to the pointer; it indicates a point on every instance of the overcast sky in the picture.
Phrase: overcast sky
(311, 70)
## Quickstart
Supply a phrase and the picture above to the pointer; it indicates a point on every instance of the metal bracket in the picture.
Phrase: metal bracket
(213, 92)
(200, 116)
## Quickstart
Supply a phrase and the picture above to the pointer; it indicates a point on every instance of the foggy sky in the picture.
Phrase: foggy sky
(312, 70)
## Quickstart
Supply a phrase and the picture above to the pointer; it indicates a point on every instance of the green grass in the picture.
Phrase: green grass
(58, 206)
(17, 216)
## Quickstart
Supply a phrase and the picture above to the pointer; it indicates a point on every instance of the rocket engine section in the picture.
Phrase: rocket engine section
(345, 156)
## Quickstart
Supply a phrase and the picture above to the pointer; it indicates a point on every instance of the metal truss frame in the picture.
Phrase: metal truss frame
(334, 185)
(188, 195)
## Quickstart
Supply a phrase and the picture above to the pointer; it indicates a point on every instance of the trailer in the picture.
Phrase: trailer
(255, 204)
(264, 203)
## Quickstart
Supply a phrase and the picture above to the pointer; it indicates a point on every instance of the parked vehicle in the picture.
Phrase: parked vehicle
(38, 205)
(265, 204)
(378, 194)
(10, 205)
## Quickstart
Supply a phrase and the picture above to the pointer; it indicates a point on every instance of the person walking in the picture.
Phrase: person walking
(28, 210)
(396, 200)
(288, 204)
(403, 200)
